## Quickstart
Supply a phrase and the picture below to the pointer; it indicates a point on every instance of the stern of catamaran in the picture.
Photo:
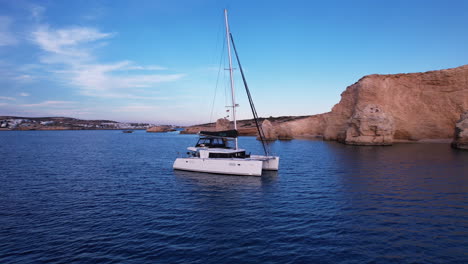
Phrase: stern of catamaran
(269, 162)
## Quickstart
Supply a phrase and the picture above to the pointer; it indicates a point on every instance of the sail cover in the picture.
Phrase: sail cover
(225, 133)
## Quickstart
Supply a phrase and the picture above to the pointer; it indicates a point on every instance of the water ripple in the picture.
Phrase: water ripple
(107, 197)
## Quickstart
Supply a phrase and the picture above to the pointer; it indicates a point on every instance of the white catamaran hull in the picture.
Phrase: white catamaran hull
(269, 162)
(252, 166)
(212, 152)
(220, 166)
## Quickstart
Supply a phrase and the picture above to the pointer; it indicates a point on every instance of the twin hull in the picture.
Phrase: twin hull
(252, 166)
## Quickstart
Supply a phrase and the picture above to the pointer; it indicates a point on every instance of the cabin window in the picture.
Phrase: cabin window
(203, 142)
(212, 143)
(240, 155)
(230, 144)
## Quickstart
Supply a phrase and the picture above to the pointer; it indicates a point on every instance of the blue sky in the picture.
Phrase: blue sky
(159, 61)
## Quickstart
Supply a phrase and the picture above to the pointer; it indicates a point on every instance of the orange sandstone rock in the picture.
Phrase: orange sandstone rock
(423, 105)
(461, 132)
(370, 126)
(160, 129)
(268, 130)
(223, 124)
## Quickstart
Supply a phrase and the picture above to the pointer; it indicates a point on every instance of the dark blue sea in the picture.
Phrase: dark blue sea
(110, 197)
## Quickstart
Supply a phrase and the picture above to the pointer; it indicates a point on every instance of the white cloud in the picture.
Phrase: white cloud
(19, 74)
(67, 41)
(138, 108)
(24, 78)
(24, 94)
(7, 98)
(29, 67)
(54, 104)
(36, 12)
(72, 49)
(147, 68)
(100, 80)
(41, 112)
(6, 37)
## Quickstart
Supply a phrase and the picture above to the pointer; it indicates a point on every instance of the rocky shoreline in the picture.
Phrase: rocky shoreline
(376, 110)
(383, 109)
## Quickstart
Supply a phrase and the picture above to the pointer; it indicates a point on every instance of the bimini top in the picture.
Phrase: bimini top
(225, 134)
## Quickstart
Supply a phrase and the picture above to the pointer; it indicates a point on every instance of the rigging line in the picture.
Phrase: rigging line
(252, 106)
(217, 81)
(220, 27)
(218, 36)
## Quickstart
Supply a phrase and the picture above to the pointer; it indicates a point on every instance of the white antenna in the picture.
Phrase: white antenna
(228, 39)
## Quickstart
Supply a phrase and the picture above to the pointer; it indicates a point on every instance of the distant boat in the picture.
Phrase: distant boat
(218, 152)
(127, 131)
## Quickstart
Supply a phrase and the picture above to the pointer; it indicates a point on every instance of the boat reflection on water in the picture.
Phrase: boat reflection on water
(227, 181)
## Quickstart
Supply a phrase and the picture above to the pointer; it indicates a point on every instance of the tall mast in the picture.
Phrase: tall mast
(231, 72)
(252, 106)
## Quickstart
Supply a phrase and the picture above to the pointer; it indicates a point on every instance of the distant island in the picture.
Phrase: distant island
(64, 123)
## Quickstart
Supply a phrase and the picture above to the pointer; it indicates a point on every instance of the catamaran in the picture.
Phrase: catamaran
(218, 151)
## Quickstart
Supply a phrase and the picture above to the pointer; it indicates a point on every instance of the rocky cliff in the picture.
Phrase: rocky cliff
(411, 107)
(247, 127)
(370, 126)
(460, 139)
(423, 105)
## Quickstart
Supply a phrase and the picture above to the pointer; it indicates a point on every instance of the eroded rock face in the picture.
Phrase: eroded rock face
(223, 124)
(423, 105)
(160, 129)
(461, 132)
(284, 132)
(370, 126)
(269, 130)
(274, 131)
(311, 126)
